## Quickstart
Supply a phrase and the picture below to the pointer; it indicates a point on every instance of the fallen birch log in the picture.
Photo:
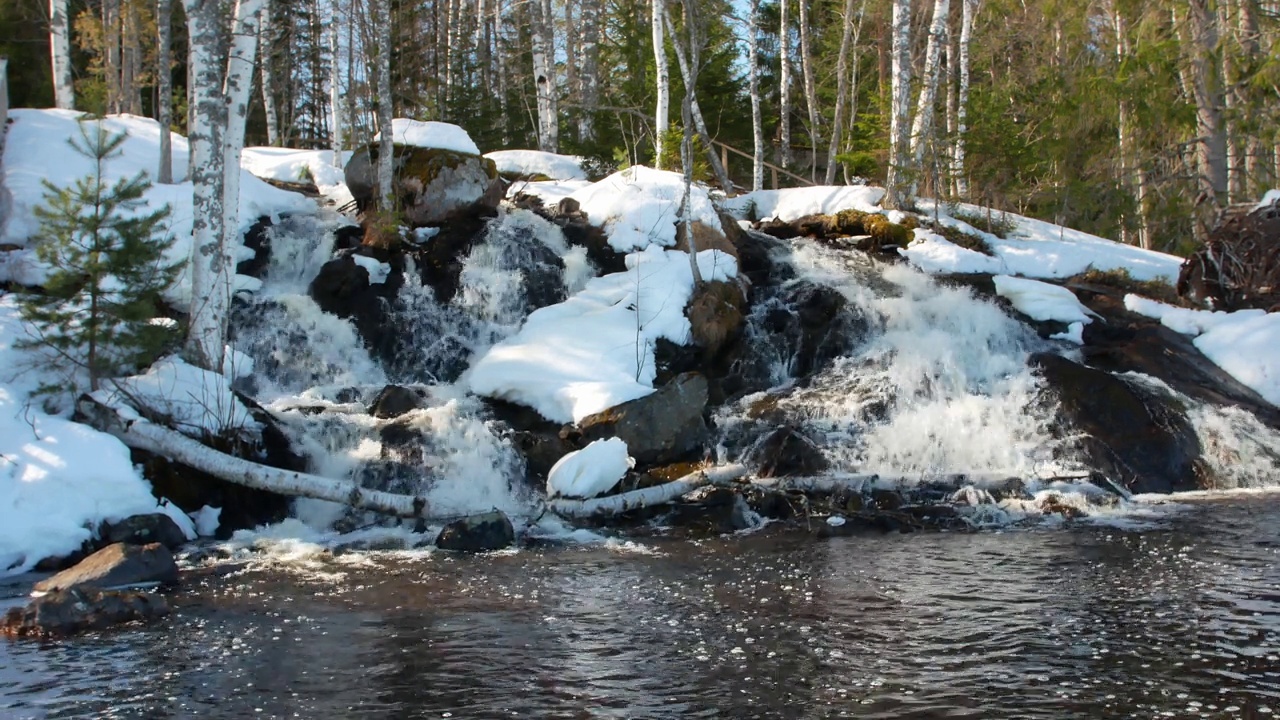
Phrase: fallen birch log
(860, 481)
(646, 497)
(148, 436)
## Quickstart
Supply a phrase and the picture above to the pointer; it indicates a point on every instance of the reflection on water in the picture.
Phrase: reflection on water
(1182, 621)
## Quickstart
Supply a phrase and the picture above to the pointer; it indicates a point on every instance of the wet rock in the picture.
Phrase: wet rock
(118, 565)
(430, 185)
(63, 613)
(478, 533)
(714, 510)
(670, 360)
(1239, 265)
(755, 258)
(258, 239)
(715, 315)
(142, 530)
(664, 427)
(786, 451)
(1140, 439)
(394, 400)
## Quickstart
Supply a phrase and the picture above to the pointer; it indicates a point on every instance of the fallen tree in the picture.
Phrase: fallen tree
(142, 434)
(646, 497)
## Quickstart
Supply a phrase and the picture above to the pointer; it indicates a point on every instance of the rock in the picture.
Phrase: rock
(786, 451)
(715, 315)
(1138, 438)
(705, 237)
(393, 401)
(664, 427)
(478, 533)
(62, 613)
(715, 510)
(430, 185)
(118, 565)
(258, 239)
(1239, 265)
(142, 530)
(755, 261)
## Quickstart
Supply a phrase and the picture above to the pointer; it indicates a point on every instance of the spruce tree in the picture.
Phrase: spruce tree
(106, 272)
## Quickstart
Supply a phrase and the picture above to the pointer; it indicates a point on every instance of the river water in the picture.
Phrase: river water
(1178, 619)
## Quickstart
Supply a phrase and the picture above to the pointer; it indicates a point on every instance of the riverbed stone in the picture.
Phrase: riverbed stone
(142, 530)
(478, 533)
(118, 565)
(664, 427)
(62, 613)
(395, 400)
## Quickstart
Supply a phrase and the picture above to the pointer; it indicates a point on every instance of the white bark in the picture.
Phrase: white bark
(144, 435)
(237, 90)
(591, 14)
(662, 112)
(336, 123)
(896, 186)
(544, 75)
(784, 85)
(688, 63)
(646, 497)
(810, 89)
(922, 127)
(969, 10)
(164, 88)
(266, 32)
(753, 86)
(210, 273)
(380, 12)
(848, 40)
(60, 51)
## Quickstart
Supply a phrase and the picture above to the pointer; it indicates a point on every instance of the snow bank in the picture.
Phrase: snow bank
(1185, 320)
(639, 206)
(535, 162)
(197, 400)
(1271, 198)
(1042, 301)
(292, 166)
(794, 203)
(1248, 347)
(549, 191)
(36, 150)
(431, 134)
(595, 350)
(590, 471)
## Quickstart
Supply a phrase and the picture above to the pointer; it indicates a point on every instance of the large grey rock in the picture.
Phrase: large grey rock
(67, 612)
(478, 533)
(119, 565)
(664, 427)
(144, 529)
(430, 184)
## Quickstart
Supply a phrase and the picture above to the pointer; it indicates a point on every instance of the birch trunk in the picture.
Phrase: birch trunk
(164, 88)
(922, 127)
(591, 13)
(753, 86)
(1231, 105)
(662, 111)
(969, 9)
(1131, 172)
(64, 96)
(130, 58)
(144, 435)
(544, 75)
(810, 90)
(847, 41)
(690, 80)
(686, 146)
(784, 85)
(646, 497)
(267, 34)
(897, 186)
(237, 90)
(210, 274)
(337, 123)
(382, 60)
(111, 52)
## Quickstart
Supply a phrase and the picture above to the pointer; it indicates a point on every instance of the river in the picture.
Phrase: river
(1178, 619)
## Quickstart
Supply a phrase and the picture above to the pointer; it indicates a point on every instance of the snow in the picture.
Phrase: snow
(551, 192)
(595, 350)
(378, 271)
(295, 166)
(431, 134)
(590, 471)
(37, 150)
(1185, 320)
(1271, 198)
(206, 520)
(196, 400)
(794, 203)
(1042, 301)
(639, 206)
(535, 162)
(1074, 333)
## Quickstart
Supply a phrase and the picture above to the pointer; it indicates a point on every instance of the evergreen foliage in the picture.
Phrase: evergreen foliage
(106, 270)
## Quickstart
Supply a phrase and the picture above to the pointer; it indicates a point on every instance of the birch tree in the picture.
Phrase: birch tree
(848, 40)
(1201, 42)
(266, 31)
(662, 110)
(810, 88)
(164, 87)
(688, 70)
(237, 88)
(969, 9)
(336, 123)
(922, 126)
(60, 51)
(784, 85)
(380, 11)
(897, 186)
(111, 53)
(544, 79)
(753, 88)
(589, 71)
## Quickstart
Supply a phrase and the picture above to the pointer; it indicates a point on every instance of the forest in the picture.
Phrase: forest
(1133, 119)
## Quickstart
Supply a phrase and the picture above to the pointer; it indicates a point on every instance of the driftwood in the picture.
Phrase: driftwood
(145, 435)
(646, 497)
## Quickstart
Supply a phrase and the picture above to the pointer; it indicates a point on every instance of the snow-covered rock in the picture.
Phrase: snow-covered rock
(639, 206)
(794, 203)
(1042, 301)
(1186, 320)
(196, 400)
(1248, 347)
(288, 165)
(431, 134)
(590, 471)
(531, 163)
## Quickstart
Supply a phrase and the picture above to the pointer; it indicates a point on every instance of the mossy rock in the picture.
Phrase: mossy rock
(430, 184)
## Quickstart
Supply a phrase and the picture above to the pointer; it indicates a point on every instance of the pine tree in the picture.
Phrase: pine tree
(106, 272)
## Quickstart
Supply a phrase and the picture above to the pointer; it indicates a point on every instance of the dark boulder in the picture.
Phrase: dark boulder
(786, 451)
(142, 530)
(713, 510)
(478, 533)
(664, 427)
(1136, 437)
(393, 401)
(119, 565)
(258, 239)
(63, 613)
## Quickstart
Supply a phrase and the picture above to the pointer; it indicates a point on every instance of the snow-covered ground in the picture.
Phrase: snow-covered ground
(639, 206)
(295, 166)
(535, 162)
(794, 203)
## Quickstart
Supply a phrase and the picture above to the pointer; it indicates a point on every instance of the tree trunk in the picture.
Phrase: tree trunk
(897, 187)
(847, 42)
(144, 435)
(130, 58)
(686, 146)
(267, 33)
(784, 84)
(383, 110)
(810, 89)
(753, 87)
(662, 112)
(164, 88)
(210, 274)
(238, 90)
(688, 63)
(64, 96)
(111, 53)
(337, 124)
(1206, 84)
(544, 75)
(969, 8)
(922, 128)
(588, 74)
(646, 497)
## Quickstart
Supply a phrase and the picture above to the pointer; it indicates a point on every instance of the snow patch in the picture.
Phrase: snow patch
(1248, 348)
(206, 520)
(378, 271)
(297, 166)
(639, 206)
(1271, 198)
(1042, 301)
(591, 471)
(431, 134)
(794, 203)
(195, 400)
(1185, 320)
(535, 162)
